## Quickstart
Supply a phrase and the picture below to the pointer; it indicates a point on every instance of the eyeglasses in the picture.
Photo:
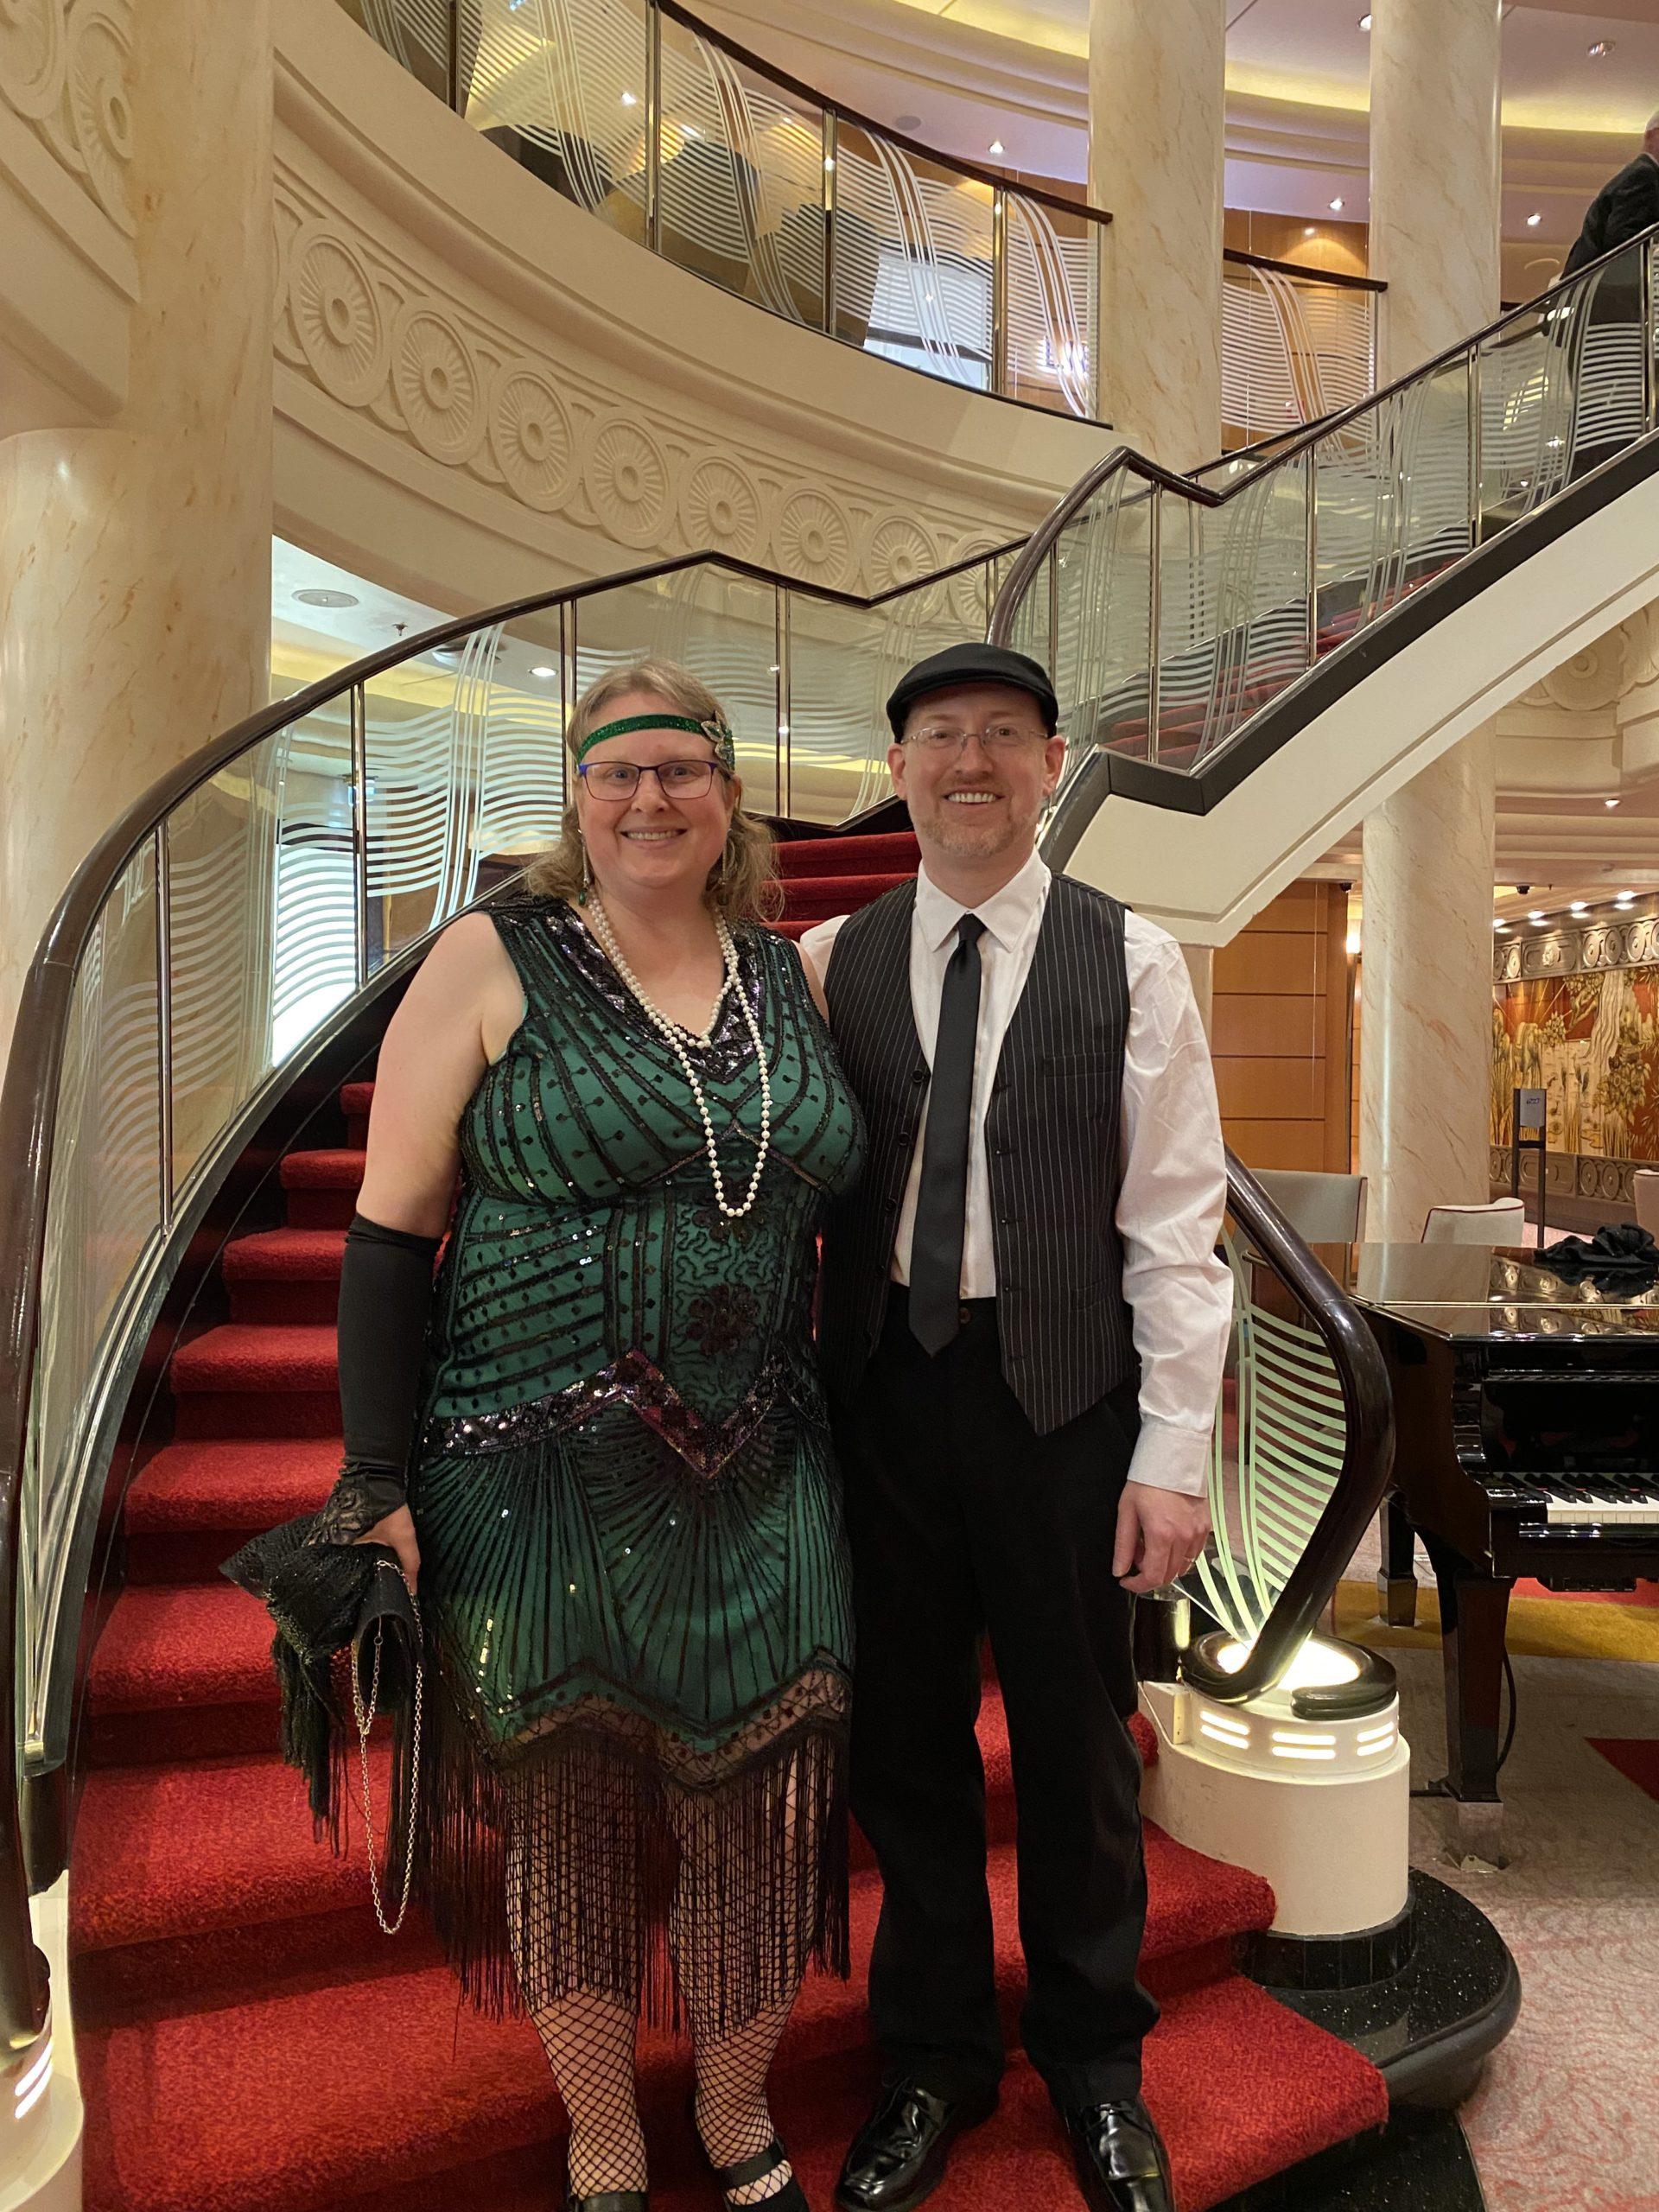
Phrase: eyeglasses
(995, 737)
(616, 780)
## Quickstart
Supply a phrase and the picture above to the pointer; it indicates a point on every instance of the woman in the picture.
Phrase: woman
(621, 1507)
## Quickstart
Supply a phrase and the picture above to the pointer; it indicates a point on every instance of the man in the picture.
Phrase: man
(1023, 1328)
(1623, 209)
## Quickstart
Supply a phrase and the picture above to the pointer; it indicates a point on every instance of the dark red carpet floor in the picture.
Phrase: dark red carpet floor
(249, 2042)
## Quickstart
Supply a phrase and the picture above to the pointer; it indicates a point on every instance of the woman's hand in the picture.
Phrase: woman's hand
(396, 1531)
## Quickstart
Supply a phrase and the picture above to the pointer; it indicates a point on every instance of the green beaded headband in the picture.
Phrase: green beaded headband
(715, 729)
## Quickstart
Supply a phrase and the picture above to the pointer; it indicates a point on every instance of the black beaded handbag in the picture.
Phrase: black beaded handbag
(328, 1600)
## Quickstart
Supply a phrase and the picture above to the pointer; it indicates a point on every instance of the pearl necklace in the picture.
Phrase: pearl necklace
(679, 1036)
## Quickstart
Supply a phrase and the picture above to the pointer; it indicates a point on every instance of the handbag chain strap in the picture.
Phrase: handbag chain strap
(365, 1722)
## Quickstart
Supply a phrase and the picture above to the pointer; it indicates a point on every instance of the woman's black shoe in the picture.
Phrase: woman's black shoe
(791, 2197)
(612, 2200)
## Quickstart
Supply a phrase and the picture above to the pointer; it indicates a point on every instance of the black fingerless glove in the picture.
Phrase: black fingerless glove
(386, 1298)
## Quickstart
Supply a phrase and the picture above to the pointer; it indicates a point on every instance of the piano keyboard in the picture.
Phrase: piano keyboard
(1611, 1501)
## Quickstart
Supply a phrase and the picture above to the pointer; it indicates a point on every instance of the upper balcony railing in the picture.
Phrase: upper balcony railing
(1174, 612)
(684, 141)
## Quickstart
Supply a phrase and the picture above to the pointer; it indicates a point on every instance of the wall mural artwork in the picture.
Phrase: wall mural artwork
(1591, 1042)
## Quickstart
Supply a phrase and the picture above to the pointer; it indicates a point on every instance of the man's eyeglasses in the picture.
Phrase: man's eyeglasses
(616, 780)
(996, 737)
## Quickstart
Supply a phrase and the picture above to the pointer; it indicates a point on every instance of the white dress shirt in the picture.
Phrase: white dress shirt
(1173, 1181)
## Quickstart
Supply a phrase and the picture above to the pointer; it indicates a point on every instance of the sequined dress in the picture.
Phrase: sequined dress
(633, 1563)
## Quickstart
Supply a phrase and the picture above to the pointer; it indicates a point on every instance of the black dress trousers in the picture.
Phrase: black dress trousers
(963, 1521)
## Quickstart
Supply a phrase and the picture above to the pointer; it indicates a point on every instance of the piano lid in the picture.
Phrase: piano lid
(1477, 1292)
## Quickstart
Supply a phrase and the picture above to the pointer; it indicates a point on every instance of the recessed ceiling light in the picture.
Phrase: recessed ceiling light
(317, 597)
(1336, 205)
(1601, 49)
(1534, 914)
(543, 671)
(1533, 220)
(996, 145)
(906, 122)
(1500, 925)
(1610, 802)
(1308, 230)
(1366, 21)
(1624, 898)
(1579, 906)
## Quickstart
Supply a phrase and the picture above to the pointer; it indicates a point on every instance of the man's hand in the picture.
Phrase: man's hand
(1159, 1534)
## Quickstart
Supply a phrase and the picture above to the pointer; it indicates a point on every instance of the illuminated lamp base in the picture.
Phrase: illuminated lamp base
(1319, 1810)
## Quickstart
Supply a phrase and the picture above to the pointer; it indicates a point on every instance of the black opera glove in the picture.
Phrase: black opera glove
(385, 1299)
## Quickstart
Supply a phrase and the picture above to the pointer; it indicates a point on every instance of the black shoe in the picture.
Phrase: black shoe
(612, 2200)
(1123, 2165)
(790, 2198)
(898, 2156)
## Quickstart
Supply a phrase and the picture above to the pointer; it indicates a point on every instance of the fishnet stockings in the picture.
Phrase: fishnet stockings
(730, 2106)
(589, 2035)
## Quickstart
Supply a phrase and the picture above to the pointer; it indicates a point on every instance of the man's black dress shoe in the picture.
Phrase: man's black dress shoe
(898, 2156)
(1123, 2165)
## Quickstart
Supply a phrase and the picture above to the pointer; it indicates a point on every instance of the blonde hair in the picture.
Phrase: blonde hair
(743, 883)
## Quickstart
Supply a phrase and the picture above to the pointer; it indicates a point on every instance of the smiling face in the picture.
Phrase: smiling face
(651, 844)
(980, 806)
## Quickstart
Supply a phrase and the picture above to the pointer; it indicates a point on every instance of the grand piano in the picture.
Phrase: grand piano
(1526, 1413)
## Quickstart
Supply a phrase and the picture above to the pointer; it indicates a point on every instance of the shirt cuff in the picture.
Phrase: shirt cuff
(1167, 1456)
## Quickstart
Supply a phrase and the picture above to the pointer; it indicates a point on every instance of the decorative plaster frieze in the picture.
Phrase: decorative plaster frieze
(407, 343)
(1580, 950)
(64, 67)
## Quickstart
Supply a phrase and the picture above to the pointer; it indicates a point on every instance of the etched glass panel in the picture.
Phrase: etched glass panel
(912, 260)
(1051, 287)
(561, 86)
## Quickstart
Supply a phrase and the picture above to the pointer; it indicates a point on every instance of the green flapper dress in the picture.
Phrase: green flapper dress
(633, 1570)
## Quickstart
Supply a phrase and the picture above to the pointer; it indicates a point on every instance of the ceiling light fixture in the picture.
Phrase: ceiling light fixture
(1579, 906)
(1534, 219)
(1601, 49)
(1336, 205)
(1366, 21)
(996, 145)
(317, 597)
(906, 122)
(1308, 230)
(1500, 925)
(1534, 914)
(1610, 802)
(630, 99)
(545, 670)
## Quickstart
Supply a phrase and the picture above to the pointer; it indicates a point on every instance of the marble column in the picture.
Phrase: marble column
(1434, 219)
(1425, 1032)
(135, 557)
(1156, 141)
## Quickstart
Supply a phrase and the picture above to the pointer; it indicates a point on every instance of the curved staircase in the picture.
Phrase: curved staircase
(249, 2042)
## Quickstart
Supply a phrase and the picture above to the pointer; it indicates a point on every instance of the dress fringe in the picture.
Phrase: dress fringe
(581, 1865)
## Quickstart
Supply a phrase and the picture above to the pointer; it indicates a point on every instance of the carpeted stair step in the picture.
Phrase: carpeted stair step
(366, 2091)
(322, 1187)
(181, 1672)
(815, 898)
(254, 1380)
(895, 853)
(354, 1099)
(190, 1506)
(286, 1275)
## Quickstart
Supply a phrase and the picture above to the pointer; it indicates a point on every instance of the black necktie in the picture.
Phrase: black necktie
(942, 1198)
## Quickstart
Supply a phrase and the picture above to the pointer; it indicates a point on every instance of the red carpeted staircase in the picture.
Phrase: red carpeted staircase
(826, 876)
(249, 2042)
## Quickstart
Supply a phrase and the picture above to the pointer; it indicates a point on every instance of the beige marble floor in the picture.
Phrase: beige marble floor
(1567, 2114)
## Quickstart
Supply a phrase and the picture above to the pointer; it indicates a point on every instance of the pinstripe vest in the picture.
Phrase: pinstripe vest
(1051, 1134)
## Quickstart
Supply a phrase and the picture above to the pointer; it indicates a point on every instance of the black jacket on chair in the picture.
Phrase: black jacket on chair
(1621, 211)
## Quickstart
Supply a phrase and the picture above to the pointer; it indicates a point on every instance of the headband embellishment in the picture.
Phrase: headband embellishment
(715, 729)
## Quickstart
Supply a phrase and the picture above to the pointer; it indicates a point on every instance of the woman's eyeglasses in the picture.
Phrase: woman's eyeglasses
(617, 780)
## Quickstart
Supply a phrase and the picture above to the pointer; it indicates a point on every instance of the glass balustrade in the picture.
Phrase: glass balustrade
(333, 844)
(1250, 573)
(676, 136)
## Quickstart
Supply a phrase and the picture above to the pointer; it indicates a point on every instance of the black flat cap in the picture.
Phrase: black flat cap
(974, 663)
